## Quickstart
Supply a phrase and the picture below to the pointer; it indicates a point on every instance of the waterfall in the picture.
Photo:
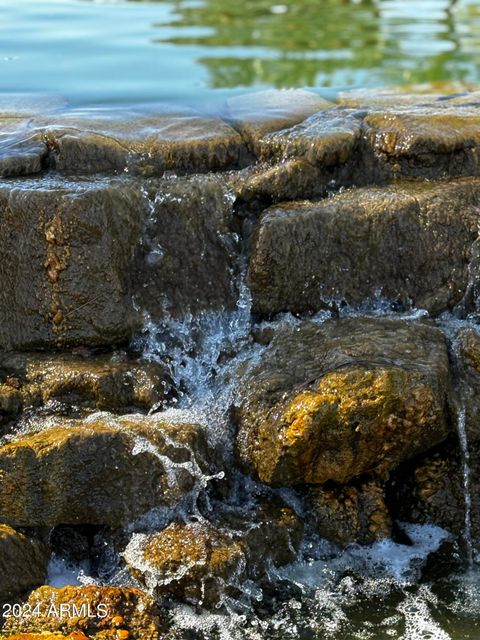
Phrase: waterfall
(463, 439)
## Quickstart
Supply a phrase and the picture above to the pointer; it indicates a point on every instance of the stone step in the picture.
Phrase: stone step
(413, 244)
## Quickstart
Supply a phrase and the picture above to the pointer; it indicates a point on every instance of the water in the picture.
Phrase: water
(186, 51)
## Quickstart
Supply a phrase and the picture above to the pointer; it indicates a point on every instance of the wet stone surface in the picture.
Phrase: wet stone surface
(239, 365)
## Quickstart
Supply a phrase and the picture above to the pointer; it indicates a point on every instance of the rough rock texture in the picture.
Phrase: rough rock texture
(187, 261)
(255, 115)
(130, 614)
(66, 250)
(203, 562)
(140, 141)
(99, 471)
(410, 243)
(23, 562)
(76, 635)
(425, 142)
(194, 562)
(350, 514)
(22, 149)
(431, 491)
(342, 399)
(108, 382)
(269, 532)
(467, 346)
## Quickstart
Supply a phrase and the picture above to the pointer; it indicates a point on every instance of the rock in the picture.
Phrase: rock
(438, 94)
(45, 636)
(23, 562)
(342, 399)
(66, 252)
(324, 139)
(257, 114)
(431, 491)
(193, 562)
(409, 243)
(466, 344)
(430, 142)
(102, 470)
(141, 141)
(269, 532)
(22, 150)
(204, 562)
(108, 382)
(187, 262)
(350, 514)
(115, 614)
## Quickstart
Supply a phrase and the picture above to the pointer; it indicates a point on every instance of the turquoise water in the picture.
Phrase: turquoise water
(190, 50)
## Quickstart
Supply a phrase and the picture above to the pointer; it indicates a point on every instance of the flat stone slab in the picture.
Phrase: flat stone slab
(140, 141)
(411, 243)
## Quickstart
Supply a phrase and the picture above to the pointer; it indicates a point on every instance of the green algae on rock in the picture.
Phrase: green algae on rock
(102, 470)
(343, 399)
(410, 243)
(23, 562)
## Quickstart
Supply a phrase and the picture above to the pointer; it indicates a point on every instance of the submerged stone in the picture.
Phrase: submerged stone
(66, 252)
(141, 141)
(99, 471)
(108, 382)
(349, 514)
(23, 562)
(343, 399)
(99, 613)
(410, 243)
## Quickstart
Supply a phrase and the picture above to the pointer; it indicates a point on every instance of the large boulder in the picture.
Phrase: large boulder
(102, 470)
(66, 253)
(141, 141)
(410, 243)
(99, 613)
(104, 381)
(188, 257)
(23, 562)
(343, 399)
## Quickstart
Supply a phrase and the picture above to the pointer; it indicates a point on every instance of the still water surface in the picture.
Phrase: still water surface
(203, 50)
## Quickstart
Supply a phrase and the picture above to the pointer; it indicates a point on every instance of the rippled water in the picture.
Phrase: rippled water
(190, 50)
